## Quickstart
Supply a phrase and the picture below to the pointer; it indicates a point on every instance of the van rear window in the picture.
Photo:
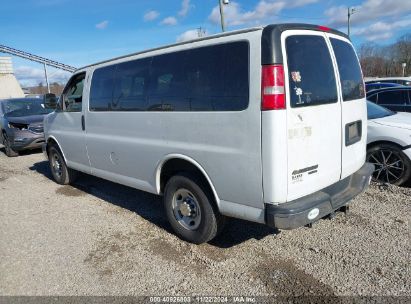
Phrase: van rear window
(310, 71)
(349, 69)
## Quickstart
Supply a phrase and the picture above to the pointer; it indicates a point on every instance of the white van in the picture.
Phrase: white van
(266, 124)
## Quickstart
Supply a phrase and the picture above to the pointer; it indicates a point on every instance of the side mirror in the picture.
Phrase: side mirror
(50, 101)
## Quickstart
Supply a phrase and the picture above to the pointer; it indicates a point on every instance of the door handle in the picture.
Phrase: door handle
(83, 123)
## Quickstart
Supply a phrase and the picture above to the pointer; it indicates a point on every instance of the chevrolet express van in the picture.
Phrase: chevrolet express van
(266, 124)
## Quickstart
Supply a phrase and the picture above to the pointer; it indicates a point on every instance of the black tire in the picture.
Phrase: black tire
(392, 166)
(7, 146)
(211, 222)
(61, 173)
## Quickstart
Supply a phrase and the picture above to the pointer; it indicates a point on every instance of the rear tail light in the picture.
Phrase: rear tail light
(324, 28)
(272, 87)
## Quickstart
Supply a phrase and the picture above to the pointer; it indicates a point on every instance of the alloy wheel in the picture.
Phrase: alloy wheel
(389, 167)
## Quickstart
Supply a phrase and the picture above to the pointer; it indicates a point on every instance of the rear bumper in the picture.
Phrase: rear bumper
(313, 207)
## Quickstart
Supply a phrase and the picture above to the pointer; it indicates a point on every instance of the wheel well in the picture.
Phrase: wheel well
(50, 142)
(383, 142)
(177, 165)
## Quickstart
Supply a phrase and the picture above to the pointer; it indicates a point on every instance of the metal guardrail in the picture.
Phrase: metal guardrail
(45, 61)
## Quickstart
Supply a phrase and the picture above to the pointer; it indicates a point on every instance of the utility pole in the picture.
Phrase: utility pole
(221, 3)
(47, 79)
(201, 32)
(351, 11)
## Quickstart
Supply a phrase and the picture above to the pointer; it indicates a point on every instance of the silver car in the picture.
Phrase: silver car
(21, 124)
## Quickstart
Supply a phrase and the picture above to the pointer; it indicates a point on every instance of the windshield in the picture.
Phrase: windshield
(24, 107)
(375, 111)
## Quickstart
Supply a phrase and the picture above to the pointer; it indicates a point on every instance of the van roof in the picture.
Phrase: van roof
(271, 37)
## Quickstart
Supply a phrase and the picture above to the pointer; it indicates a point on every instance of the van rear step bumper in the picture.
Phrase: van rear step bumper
(310, 208)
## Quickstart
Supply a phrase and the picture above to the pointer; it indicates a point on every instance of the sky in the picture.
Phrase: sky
(82, 32)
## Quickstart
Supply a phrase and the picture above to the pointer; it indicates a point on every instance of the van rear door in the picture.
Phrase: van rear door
(354, 109)
(314, 136)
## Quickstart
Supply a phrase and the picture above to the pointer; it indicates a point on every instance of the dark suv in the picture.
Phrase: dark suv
(396, 98)
(21, 124)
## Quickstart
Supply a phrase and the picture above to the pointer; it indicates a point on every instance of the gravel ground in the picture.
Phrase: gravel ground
(100, 238)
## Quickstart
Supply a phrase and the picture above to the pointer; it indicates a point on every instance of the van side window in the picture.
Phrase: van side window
(168, 84)
(212, 78)
(130, 85)
(73, 94)
(311, 73)
(101, 91)
(350, 72)
(218, 77)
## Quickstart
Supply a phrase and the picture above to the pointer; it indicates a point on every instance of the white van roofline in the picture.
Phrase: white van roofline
(230, 33)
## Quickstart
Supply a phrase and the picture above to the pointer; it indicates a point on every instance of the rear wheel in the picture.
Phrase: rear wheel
(61, 173)
(392, 166)
(7, 146)
(190, 209)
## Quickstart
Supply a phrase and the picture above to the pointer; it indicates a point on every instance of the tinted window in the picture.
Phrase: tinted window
(376, 111)
(397, 97)
(213, 78)
(101, 91)
(169, 87)
(349, 69)
(130, 88)
(311, 72)
(73, 94)
(373, 98)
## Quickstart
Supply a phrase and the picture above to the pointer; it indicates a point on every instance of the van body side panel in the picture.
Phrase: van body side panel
(129, 146)
(124, 147)
(274, 155)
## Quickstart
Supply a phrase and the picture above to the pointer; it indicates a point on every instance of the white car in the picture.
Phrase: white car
(389, 144)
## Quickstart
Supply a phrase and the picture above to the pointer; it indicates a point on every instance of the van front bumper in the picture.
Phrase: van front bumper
(310, 208)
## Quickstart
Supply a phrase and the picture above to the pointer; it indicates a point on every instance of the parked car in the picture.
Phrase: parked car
(21, 124)
(400, 80)
(379, 85)
(389, 144)
(265, 124)
(395, 98)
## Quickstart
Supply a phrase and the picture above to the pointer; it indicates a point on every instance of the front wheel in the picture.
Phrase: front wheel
(61, 173)
(7, 147)
(392, 166)
(190, 209)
